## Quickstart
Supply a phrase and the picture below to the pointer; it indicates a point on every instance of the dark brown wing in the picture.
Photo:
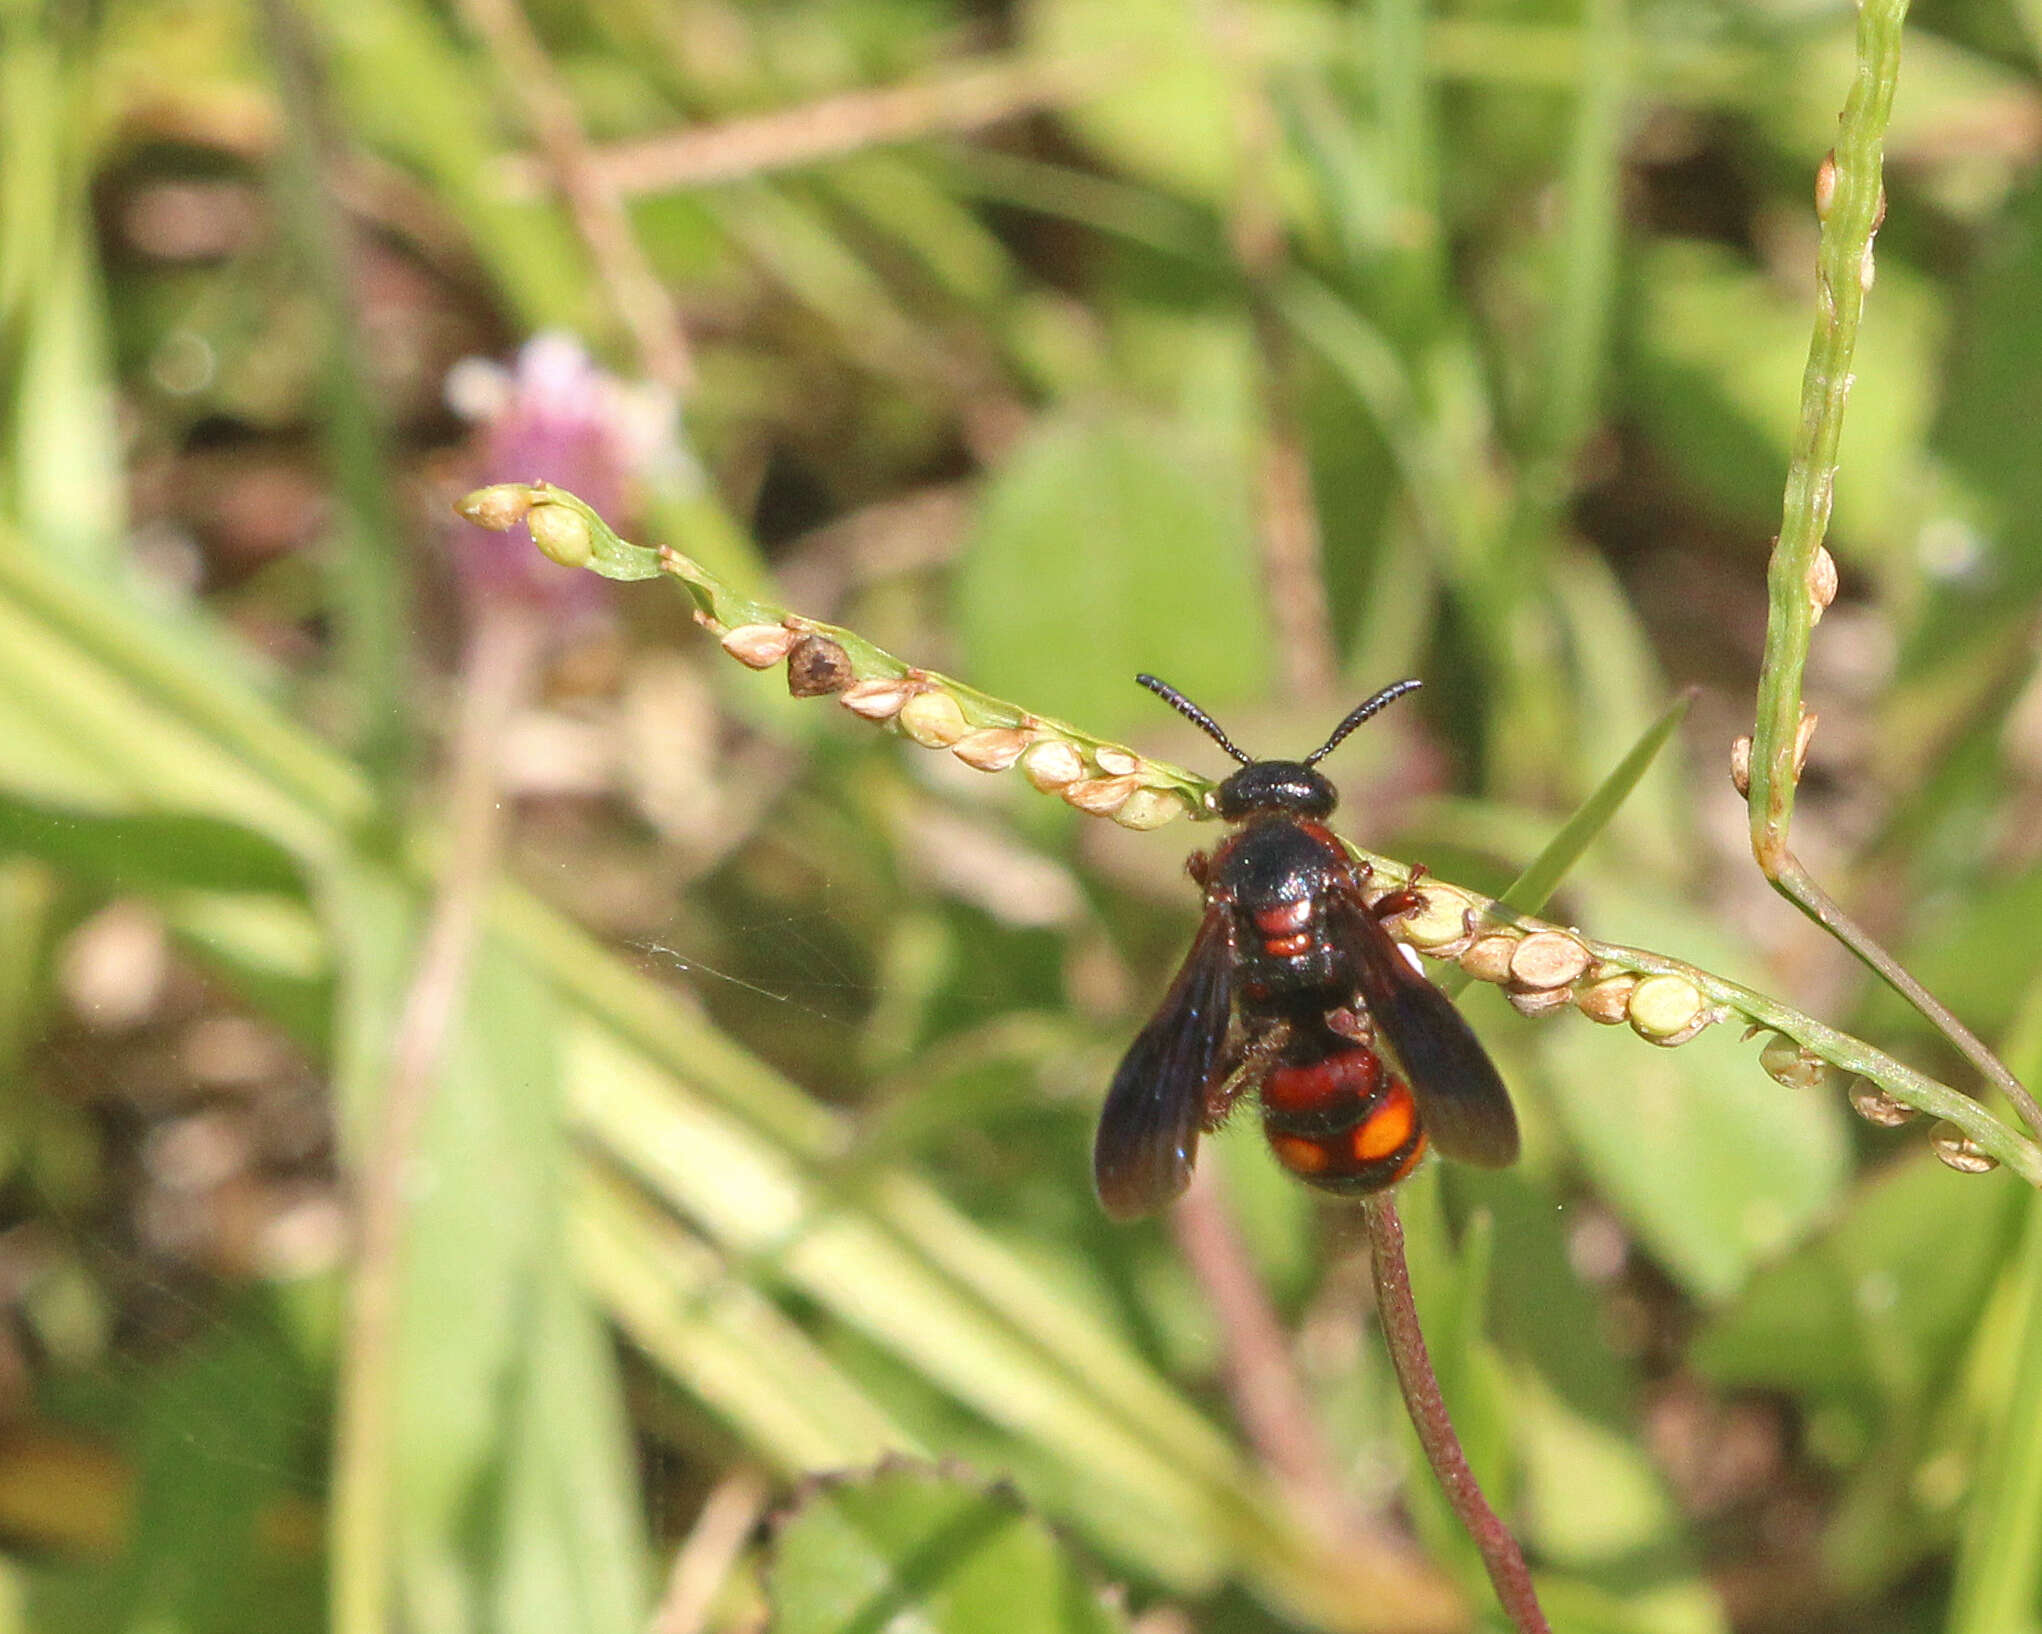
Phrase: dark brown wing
(1461, 1099)
(1148, 1129)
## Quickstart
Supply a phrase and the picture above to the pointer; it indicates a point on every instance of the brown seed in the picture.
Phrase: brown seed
(817, 666)
(1487, 958)
(1960, 1151)
(1822, 579)
(879, 699)
(1116, 762)
(1875, 1105)
(1099, 796)
(1740, 766)
(992, 749)
(1792, 1064)
(1052, 764)
(1825, 185)
(759, 645)
(1547, 959)
(497, 508)
(1542, 1002)
(1607, 1001)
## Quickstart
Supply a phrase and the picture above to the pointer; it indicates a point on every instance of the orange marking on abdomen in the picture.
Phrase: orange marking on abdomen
(1300, 1156)
(1411, 1162)
(1287, 947)
(1387, 1127)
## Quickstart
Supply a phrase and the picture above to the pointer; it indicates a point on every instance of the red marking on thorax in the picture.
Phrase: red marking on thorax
(1284, 918)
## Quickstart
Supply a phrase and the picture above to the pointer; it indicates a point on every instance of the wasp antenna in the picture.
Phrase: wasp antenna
(1198, 717)
(1361, 712)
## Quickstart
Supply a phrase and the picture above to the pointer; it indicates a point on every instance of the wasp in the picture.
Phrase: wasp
(1293, 988)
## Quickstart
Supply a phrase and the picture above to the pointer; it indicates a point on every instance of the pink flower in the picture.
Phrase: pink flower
(554, 416)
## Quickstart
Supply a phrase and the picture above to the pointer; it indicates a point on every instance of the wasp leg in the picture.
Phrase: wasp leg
(1247, 1064)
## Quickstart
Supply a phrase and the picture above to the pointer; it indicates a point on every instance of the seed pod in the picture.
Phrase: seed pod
(879, 699)
(1052, 764)
(1440, 923)
(1547, 959)
(1875, 1105)
(1607, 1001)
(993, 748)
(561, 532)
(1822, 580)
(817, 666)
(1100, 796)
(933, 719)
(1539, 1001)
(1116, 762)
(1150, 808)
(1825, 185)
(1667, 1009)
(1792, 1064)
(1867, 271)
(503, 506)
(1960, 1151)
(1487, 959)
(759, 645)
(1740, 765)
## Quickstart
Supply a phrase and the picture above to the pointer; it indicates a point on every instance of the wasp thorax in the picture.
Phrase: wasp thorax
(1275, 785)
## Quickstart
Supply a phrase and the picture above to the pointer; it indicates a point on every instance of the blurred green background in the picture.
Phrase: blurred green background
(1280, 349)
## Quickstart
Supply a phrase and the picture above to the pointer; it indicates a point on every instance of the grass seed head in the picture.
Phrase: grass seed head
(879, 699)
(1150, 808)
(1667, 1009)
(758, 646)
(561, 533)
(1487, 958)
(817, 666)
(1100, 796)
(1547, 959)
(993, 748)
(1608, 1000)
(1875, 1105)
(933, 719)
(1960, 1151)
(1052, 765)
(1792, 1064)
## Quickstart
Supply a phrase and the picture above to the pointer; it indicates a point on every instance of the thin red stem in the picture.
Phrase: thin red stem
(1422, 1398)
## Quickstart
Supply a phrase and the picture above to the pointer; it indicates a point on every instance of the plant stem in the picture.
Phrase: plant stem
(636, 294)
(1500, 1553)
(1856, 202)
(505, 647)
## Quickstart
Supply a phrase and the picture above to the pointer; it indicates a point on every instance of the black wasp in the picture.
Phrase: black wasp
(1293, 987)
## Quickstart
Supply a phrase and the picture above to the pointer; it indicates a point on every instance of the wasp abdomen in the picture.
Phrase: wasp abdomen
(1342, 1122)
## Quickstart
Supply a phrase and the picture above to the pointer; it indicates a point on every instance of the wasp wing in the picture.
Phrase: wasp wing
(1148, 1129)
(1461, 1099)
